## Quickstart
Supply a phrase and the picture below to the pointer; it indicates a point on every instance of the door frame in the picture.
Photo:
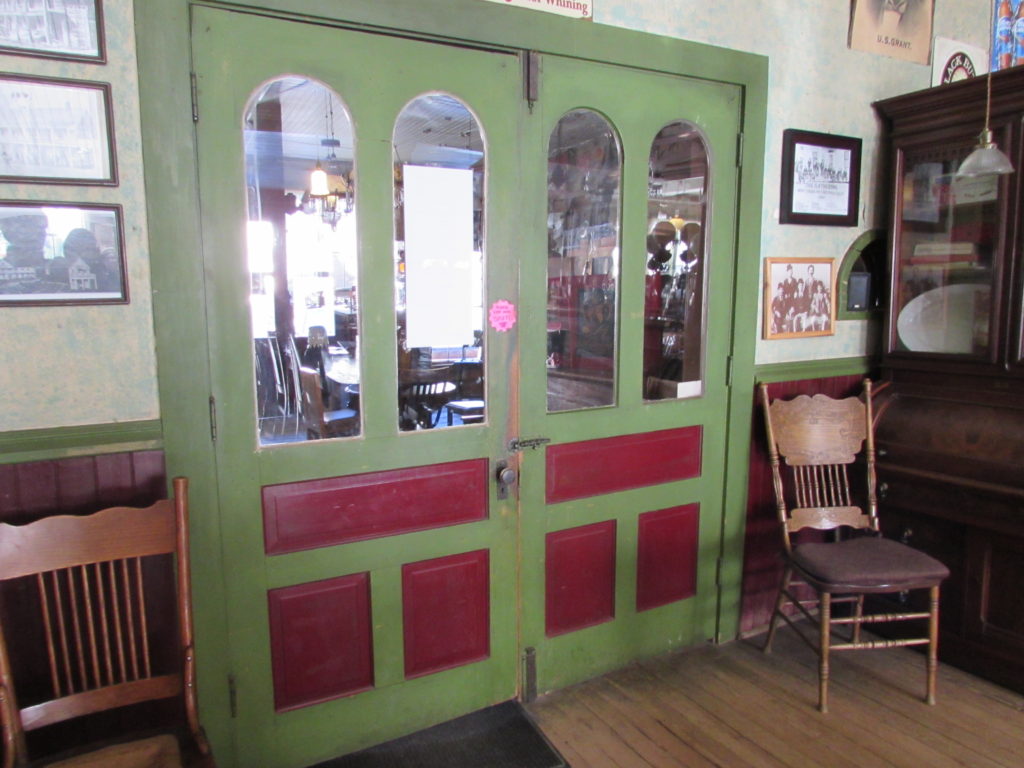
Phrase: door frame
(173, 203)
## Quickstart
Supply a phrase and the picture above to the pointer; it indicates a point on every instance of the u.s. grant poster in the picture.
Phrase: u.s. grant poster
(579, 9)
(821, 179)
(901, 29)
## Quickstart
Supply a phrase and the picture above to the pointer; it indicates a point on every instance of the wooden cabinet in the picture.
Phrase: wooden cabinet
(950, 413)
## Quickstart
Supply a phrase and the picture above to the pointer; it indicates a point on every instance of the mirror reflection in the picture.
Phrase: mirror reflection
(584, 171)
(439, 256)
(674, 298)
(301, 251)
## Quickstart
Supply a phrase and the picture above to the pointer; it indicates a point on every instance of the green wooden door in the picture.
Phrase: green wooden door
(622, 510)
(378, 578)
(371, 574)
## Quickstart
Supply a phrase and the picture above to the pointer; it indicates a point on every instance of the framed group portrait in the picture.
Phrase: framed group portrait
(799, 297)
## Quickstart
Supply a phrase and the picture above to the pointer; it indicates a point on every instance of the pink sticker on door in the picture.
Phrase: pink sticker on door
(502, 315)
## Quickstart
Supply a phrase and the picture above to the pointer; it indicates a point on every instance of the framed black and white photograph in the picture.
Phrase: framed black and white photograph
(799, 298)
(59, 29)
(61, 253)
(820, 179)
(56, 131)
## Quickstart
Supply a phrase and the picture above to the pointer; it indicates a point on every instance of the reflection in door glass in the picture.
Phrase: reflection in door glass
(439, 248)
(674, 299)
(301, 246)
(583, 261)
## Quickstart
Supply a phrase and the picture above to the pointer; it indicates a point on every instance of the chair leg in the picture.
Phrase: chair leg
(859, 614)
(780, 601)
(825, 632)
(933, 642)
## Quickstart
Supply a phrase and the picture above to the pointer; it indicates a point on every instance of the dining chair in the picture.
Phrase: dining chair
(320, 422)
(813, 443)
(95, 636)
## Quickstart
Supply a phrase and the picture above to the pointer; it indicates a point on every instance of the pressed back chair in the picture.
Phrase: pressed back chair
(99, 622)
(813, 442)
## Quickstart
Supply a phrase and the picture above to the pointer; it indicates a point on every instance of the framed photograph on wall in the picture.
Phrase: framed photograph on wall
(799, 298)
(56, 131)
(820, 179)
(61, 253)
(59, 29)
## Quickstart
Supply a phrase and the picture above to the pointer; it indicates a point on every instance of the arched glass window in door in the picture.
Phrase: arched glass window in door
(302, 260)
(677, 214)
(584, 169)
(439, 264)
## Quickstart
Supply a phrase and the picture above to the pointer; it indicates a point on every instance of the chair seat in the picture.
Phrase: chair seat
(867, 565)
(155, 752)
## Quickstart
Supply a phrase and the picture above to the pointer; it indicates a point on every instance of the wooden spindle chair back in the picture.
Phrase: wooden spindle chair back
(90, 576)
(812, 443)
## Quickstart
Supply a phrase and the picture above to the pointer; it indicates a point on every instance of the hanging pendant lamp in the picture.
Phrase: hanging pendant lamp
(986, 159)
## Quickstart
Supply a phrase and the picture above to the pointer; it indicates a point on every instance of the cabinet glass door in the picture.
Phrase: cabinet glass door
(947, 246)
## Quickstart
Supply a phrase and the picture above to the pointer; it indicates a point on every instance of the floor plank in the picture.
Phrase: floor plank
(733, 705)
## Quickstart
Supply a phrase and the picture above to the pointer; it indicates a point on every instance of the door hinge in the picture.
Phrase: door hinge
(195, 97)
(213, 418)
(739, 150)
(531, 78)
(515, 444)
(232, 696)
(728, 371)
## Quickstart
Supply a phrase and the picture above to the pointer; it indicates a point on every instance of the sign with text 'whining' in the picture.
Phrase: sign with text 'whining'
(579, 9)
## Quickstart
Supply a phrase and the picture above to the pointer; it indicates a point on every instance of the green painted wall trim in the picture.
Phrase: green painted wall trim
(62, 442)
(843, 278)
(816, 369)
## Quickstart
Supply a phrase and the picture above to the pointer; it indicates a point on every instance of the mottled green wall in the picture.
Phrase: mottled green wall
(94, 365)
(65, 366)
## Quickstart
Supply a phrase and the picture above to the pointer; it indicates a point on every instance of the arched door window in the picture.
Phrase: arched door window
(584, 170)
(301, 251)
(677, 215)
(439, 160)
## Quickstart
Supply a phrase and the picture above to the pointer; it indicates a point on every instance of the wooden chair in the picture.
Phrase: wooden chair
(423, 394)
(321, 423)
(90, 578)
(819, 438)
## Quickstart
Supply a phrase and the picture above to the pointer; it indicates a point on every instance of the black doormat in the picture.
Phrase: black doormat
(502, 736)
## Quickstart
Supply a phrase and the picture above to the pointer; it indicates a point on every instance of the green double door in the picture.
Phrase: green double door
(400, 571)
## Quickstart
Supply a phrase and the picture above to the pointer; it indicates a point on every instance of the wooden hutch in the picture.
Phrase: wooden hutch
(950, 413)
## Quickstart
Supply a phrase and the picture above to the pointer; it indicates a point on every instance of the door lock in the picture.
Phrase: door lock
(506, 478)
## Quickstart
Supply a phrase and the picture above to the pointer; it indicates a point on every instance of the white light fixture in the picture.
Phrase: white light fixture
(986, 159)
(318, 182)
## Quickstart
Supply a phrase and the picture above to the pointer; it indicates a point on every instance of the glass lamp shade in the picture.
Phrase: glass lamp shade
(318, 182)
(986, 159)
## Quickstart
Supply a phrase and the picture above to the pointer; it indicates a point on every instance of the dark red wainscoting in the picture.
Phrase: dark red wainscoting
(607, 465)
(579, 577)
(666, 557)
(321, 641)
(446, 612)
(80, 485)
(762, 563)
(320, 513)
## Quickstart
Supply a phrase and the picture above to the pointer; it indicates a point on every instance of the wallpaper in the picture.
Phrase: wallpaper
(80, 365)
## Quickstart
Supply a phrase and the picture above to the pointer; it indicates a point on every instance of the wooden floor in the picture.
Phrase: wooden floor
(731, 705)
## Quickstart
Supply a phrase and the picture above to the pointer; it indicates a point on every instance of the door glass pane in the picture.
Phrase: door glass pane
(439, 257)
(674, 300)
(947, 239)
(584, 170)
(301, 247)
